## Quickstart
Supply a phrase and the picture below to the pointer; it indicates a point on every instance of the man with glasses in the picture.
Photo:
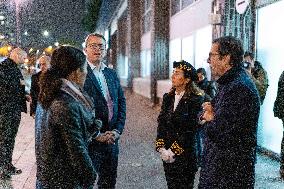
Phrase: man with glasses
(103, 85)
(231, 121)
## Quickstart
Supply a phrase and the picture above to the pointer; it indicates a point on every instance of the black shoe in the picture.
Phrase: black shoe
(14, 171)
(5, 176)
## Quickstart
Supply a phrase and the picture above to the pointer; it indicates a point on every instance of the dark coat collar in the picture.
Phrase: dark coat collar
(230, 75)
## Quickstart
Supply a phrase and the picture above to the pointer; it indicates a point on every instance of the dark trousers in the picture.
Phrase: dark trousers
(105, 161)
(199, 146)
(9, 124)
(179, 174)
(282, 152)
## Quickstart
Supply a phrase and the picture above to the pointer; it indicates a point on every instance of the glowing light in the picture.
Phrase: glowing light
(45, 33)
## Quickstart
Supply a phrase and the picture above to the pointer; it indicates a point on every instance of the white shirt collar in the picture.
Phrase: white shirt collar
(180, 94)
(102, 67)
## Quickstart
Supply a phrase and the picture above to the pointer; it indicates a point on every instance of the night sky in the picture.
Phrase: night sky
(62, 18)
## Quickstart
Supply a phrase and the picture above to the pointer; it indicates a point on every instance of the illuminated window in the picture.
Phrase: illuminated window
(178, 5)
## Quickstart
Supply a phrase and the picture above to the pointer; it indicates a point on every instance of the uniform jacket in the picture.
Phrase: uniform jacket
(12, 95)
(62, 137)
(176, 129)
(34, 92)
(230, 139)
(119, 103)
(279, 102)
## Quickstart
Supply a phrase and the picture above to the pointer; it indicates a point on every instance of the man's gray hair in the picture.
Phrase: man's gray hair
(91, 35)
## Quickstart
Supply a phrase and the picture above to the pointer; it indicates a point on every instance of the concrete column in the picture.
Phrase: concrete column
(134, 40)
(160, 44)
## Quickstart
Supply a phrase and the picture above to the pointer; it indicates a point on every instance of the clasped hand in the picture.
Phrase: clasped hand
(208, 114)
(108, 137)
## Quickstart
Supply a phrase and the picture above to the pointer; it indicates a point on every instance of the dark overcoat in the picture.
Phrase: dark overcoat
(231, 138)
(12, 95)
(34, 92)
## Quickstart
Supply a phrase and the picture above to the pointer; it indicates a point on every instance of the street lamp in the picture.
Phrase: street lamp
(45, 33)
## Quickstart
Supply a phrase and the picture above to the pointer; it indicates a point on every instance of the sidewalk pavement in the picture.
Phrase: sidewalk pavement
(139, 165)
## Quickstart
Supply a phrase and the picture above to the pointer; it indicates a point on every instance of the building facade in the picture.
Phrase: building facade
(146, 36)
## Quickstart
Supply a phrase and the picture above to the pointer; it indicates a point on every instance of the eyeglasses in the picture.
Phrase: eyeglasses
(96, 46)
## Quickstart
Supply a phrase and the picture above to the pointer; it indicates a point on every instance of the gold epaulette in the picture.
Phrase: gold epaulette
(176, 149)
(199, 94)
(160, 143)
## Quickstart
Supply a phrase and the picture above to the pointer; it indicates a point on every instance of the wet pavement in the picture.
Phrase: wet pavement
(139, 165)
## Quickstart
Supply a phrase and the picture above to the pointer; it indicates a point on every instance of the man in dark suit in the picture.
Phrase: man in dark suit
(103, 85)
(44, 63)
(231, 121)
(13, 102)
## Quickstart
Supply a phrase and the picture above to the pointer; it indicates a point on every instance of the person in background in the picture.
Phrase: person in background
(44, 64)
(102, 84)
(65, 124)
(279, 112)
(230, 129)
(13, 102)
(208, 87)
(257, 73)
(177, 124)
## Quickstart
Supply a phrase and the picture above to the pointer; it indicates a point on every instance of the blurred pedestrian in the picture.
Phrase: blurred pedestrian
(257, 73)
(279, 112)
(103, 85)
(231, 121)
(177, 124)
(13, 102)
(44, 64)
(65, 123)
(207, 86)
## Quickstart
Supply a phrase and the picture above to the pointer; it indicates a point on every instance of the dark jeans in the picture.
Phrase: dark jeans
(199, 146)
(105, 161)
(9, 124)
(179, 174)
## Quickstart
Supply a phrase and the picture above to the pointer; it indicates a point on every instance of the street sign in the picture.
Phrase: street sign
(241, 5)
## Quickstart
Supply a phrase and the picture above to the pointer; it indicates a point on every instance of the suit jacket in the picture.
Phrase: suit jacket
(34, 92)
(230, 138)
(177, 129)
(12, 95)
(93, 89)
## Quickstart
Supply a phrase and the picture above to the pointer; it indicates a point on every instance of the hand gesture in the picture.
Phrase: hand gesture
(208, 114)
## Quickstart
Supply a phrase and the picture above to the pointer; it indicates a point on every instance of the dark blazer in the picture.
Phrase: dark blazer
(62, 133)
(12, 95)
(119, 103)
(176, 129)
(231, 138)
(34, 92)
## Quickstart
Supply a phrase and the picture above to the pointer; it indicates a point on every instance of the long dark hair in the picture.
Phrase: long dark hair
(190, 88)
(64, 61)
